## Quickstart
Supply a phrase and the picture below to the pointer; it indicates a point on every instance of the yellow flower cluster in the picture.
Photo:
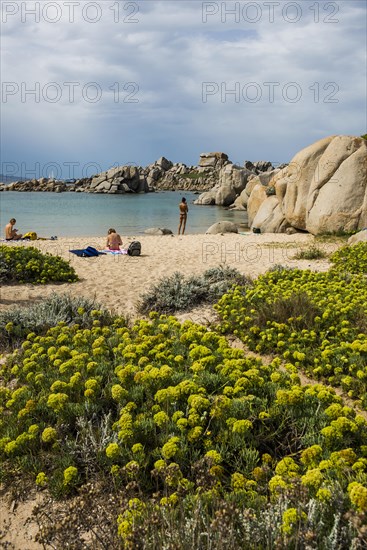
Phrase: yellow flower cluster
(322, 332)
(161, 391)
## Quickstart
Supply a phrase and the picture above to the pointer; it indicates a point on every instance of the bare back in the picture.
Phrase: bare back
(183, 208)
(114, 241)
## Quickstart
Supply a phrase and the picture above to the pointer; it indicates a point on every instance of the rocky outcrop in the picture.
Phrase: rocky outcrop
(161, 175)
(360, 237)
(235, 184)
(270, 218)
(158, 231)
(323, 189)
(219, 179)
(203, 177)
(222, 227)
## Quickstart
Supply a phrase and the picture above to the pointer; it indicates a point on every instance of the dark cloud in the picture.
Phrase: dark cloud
(177, 78)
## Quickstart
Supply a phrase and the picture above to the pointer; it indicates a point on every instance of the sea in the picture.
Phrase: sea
(72, 214)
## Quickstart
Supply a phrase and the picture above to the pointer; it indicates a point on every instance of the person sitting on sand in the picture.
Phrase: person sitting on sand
(183, 215)
(11, 234)
(113, 240)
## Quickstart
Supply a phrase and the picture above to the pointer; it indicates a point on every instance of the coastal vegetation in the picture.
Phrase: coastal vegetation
(161, 434)
(311, 253)
(16, 323)
(177, 293)
(20, 264)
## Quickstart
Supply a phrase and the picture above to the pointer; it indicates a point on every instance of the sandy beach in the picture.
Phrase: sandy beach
(117, 282)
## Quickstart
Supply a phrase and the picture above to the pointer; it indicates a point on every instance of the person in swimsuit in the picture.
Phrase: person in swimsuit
(11, 234)
(183, 215)
(113, 240)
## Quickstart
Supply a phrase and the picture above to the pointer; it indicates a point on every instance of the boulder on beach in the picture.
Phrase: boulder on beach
(158, 231)
(222, 227)
(360, 237)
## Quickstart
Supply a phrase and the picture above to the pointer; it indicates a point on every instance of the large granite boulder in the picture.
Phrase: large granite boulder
(225, 195)
(270, 217)
(158, 231)
(96, 181)
(207, 198)
(240, 202)
(338, 188)
(323, 189)
(232, 181)
(213, 160)
(257, 197)
(298, 177)
(164, 164)
(222, 227)
(360, 237)
(234, 176)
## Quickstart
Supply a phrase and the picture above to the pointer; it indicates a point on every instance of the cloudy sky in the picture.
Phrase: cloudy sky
(88, 85)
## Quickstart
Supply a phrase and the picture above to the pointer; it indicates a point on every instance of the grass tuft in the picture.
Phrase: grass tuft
(311, 253)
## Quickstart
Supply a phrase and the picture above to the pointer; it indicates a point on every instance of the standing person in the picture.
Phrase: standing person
(183, 215)
(113, 240)
(11, 234)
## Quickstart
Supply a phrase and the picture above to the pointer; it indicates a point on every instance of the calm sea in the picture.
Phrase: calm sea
(84, 214)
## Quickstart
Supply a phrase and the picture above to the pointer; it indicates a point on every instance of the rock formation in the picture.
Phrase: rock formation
(360, 237)
(222, 227)
(159, 176)
(322, 190)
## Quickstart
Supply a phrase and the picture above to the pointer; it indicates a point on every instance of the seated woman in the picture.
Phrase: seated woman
(113, 240)
(11, 234)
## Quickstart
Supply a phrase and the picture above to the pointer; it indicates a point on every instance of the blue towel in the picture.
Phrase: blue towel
(88, 252)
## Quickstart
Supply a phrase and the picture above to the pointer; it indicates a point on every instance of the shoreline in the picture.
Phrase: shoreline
(118, 281)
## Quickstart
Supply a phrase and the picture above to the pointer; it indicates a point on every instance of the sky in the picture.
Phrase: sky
(90, 85)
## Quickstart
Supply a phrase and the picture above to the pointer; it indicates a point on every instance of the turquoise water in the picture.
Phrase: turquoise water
(84, 214)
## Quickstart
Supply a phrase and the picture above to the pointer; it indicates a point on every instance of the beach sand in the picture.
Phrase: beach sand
(117, 282)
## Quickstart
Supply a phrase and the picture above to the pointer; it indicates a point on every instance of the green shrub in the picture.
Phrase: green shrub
(20, 264)
(194, 175)
(298, 306)
(16, 323)
(270, 190)
(351, 258)
(311, 253)
(176, 293)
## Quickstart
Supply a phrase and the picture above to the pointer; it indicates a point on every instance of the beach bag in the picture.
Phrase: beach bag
(31, 235)
(134, 249)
